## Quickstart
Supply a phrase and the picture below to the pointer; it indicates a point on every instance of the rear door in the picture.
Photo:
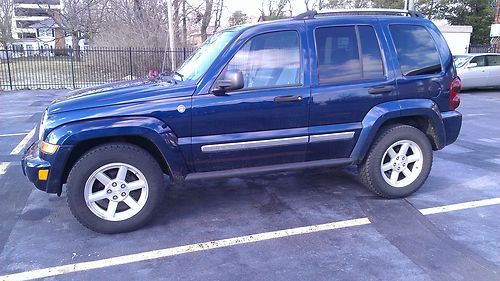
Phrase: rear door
(350, 76)
(493, 62)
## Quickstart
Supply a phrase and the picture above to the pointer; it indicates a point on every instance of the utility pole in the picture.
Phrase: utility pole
(171, 37)
(409, 4)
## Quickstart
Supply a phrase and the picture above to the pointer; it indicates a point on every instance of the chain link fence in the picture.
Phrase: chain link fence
(66, 68)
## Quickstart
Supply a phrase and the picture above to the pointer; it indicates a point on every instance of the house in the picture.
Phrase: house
(26, 13)
(49, 35)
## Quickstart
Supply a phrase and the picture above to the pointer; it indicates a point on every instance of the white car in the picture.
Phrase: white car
(478, 70)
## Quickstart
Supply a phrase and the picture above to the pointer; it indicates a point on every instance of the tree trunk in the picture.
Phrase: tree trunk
(74, 44)
(206, 19)
(184, 24)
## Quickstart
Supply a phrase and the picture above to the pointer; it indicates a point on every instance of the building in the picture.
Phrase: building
(457, 37)
(26, 14)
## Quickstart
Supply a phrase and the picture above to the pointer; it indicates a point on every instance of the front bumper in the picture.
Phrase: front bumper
(32, 163)
(452, 121)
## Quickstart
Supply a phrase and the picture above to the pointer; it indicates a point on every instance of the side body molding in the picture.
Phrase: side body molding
(384, 112)
(155, 130)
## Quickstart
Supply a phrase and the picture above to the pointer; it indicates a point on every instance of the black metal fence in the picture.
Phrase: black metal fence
(474, 49)
(66, 68)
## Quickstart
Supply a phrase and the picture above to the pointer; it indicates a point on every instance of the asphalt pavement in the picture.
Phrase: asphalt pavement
(304, 225)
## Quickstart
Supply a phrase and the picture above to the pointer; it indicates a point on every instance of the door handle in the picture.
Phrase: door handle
(381, 90)
(294, 98)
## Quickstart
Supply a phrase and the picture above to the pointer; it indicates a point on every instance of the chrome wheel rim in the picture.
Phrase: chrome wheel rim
(116, 191)
(402, 163)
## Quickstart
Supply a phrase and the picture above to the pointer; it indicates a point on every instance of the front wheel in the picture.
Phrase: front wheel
(115, 188)
(398, 163)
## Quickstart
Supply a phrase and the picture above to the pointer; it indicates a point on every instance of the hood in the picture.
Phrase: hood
(123, 92)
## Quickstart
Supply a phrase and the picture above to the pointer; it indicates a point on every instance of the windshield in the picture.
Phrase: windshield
(199, 62)
(460, 60)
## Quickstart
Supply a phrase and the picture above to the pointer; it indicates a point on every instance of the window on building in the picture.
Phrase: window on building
(417, 52)
(269, 60)
(45, 32)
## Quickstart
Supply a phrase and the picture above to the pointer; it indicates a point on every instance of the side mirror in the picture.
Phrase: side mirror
(472, 64)
(231, 80)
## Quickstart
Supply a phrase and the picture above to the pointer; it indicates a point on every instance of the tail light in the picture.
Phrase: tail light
(455, 88)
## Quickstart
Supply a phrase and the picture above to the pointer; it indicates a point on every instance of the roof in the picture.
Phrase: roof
(455, 28)
(46, 23)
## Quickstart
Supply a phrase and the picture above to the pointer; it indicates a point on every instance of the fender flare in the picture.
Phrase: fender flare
(156, 131)
(381, 113)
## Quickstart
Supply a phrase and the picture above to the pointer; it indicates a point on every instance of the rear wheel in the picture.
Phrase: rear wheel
(115, 188)
(398, 163)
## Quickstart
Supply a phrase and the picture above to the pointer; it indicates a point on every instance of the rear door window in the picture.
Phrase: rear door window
(493, 60)
(417, 52)
(343, 57)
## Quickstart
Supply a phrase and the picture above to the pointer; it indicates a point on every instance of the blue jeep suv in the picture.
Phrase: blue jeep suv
(374, 88)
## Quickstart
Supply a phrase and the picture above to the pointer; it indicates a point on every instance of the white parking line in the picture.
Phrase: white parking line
(156, 254)
(23, 142)
(3, 167)
(13, 134)
(204, 246)
(460, 206)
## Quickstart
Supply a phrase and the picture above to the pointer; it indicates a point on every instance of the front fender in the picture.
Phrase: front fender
(384, 112)
(155, 130)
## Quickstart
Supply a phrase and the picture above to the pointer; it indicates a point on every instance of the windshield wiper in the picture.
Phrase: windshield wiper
(178, 74)
(170, 79)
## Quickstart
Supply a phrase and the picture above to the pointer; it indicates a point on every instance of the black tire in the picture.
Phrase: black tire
(114, 153)
(370, 169)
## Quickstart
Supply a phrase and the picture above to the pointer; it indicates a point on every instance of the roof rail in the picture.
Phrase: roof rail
(359, 12)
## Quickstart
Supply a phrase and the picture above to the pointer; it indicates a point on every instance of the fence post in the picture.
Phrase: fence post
(8, 67)
(184, 53)
(130, 59)
(72, 67)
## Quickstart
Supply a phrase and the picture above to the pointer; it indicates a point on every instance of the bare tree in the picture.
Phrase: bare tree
(6, 12)
(314, 4)
(219, 5)
(275, 9)
(79, 18)
(205, 19)
(134, 23)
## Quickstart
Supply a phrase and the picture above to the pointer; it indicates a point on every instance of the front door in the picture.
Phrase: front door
(264, 123)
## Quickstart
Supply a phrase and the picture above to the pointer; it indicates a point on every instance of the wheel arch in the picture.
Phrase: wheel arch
(86, 145)
(149, 133)
(422, 114)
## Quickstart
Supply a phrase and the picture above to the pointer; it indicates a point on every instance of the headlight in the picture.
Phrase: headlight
(43, 124)
(48, 148)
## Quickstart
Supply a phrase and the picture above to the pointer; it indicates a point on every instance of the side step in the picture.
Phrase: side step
(271, 168)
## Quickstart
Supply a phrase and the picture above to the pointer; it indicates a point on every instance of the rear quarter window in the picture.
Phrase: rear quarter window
(416, 50)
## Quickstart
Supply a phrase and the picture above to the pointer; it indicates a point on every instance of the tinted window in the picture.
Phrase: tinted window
(493, 60)
(338, 54)
(269, 60)
(372, 59)
(417, 53)
(480, 60)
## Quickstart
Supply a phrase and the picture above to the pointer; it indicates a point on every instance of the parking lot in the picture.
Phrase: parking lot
(306, 225)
